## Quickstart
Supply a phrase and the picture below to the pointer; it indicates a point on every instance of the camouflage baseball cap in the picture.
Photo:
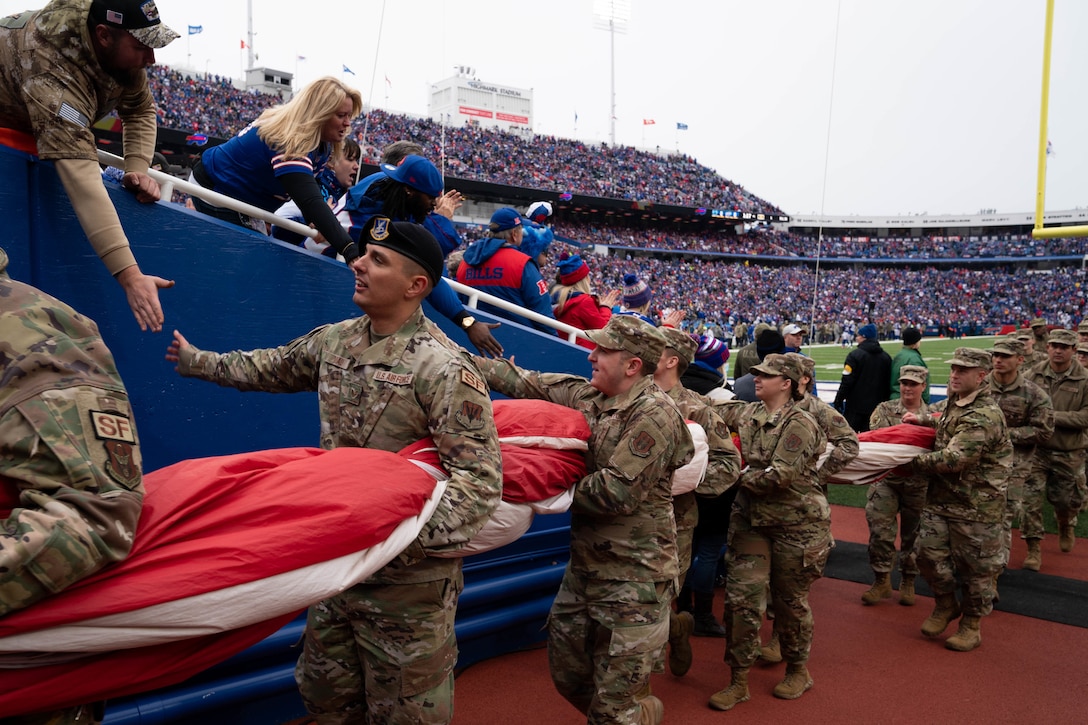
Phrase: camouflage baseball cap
(631, 334)
(1083, 326)
(916, 373)
(1082, 349)
(1009, 345)
(1024, 334)
(682, 342)
(1062, 337)
(808, 365)
(139, 17)
(969, 357)
(776, 364)
(1038, 322)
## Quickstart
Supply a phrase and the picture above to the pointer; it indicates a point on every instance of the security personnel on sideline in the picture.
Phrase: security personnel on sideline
(65, 67)
(497, 266)
(1059, 462)
(384, 650)
(610, 620)
(70, 465)
(961, 535)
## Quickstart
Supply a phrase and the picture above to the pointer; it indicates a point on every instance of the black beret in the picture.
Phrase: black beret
(411, 240)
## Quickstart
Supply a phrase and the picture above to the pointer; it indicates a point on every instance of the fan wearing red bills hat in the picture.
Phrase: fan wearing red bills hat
(65, 67)
(574, 301)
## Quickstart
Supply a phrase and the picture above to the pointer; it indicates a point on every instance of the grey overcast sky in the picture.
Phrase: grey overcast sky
(928, 106)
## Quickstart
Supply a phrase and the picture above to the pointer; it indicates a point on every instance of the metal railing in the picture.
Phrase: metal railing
(168, 184)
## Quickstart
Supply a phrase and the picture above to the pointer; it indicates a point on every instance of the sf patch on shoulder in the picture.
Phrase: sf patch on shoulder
(470, 415)
(474, 381)
(119, 438)
(642, 444)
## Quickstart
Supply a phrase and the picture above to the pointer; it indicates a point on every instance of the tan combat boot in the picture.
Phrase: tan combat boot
(1034, 559)
(881, 588)
(967, 637)
(945, 610)
(906, 591)
(772, 653)
(735, 694)
(796, 683)
(1066, 537)
(653, 710)
(680, 626)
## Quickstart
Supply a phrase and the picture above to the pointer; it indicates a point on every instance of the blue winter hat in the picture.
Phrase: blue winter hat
(572, 269)
(416, 172)
(868, 331)
(636, 293)
(503, 219)
(711, 351)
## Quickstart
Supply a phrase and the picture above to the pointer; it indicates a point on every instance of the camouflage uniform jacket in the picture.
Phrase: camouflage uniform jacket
(1069, 395)
(622, 525)
(1029, 416)
(385, 395)
(891, 412)
(723, 466)
(779, 486)
(46, 346)
(841, 437)
(970, 461)
(52, 86)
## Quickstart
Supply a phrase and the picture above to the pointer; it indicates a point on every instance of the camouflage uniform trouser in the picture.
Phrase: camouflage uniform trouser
(603, 639)
(972, 550)
(59, 534)
(789, 559)
(886, 498)
(381, 654)
(1060, 474)
(1014, 499)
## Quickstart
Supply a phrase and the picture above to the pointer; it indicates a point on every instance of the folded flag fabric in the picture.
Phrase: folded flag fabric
(882, 450)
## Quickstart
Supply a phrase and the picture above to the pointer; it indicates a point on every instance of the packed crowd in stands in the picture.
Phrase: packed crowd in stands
(717, 293)
(211, 105)
(724, 293)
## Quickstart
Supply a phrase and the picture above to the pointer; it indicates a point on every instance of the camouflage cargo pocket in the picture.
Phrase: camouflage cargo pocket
(639, 638)
(67, 555)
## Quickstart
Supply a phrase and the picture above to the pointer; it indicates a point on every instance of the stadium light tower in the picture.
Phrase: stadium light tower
(613, 16)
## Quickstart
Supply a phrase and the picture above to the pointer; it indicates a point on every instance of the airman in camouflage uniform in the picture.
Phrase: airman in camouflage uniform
(1032, 355)
(65, 67)
(723, 467)
(894, 495)
(1059, 462)
(780, 532)
(69, 454)
(1029, 415)
(610, 620)
(1082, 332)
(384, 650)
(961, 532)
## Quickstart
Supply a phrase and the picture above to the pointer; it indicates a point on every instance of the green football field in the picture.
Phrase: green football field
(937, 352)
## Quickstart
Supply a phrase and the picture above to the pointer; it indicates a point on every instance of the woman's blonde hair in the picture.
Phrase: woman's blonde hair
(563, 292)
(294, 128)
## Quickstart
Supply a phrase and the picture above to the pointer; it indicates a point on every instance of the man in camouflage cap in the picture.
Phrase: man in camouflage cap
(1082, 353)
(896, 495)
(384, 650)
(610, 620)
(1058, 469)
(722, 470)
(70, 462)
(1082, 332)
(65, 67)
(1033, 355)
(1039, 329)
(1029, 415)
(961, 534)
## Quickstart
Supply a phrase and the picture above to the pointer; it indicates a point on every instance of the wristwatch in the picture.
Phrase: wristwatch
(467, 321)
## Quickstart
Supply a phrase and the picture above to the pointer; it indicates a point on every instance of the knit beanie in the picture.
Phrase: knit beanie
(572, 269)
(636, 293)
(868, 331)
(711, 351)
(911, 335)
(770, 342)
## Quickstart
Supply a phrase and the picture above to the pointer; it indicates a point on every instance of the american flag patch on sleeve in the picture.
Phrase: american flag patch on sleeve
(70, 114)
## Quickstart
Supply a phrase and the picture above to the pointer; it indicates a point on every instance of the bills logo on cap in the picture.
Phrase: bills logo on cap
(150, 11)
(112, 16)
(380, 230)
